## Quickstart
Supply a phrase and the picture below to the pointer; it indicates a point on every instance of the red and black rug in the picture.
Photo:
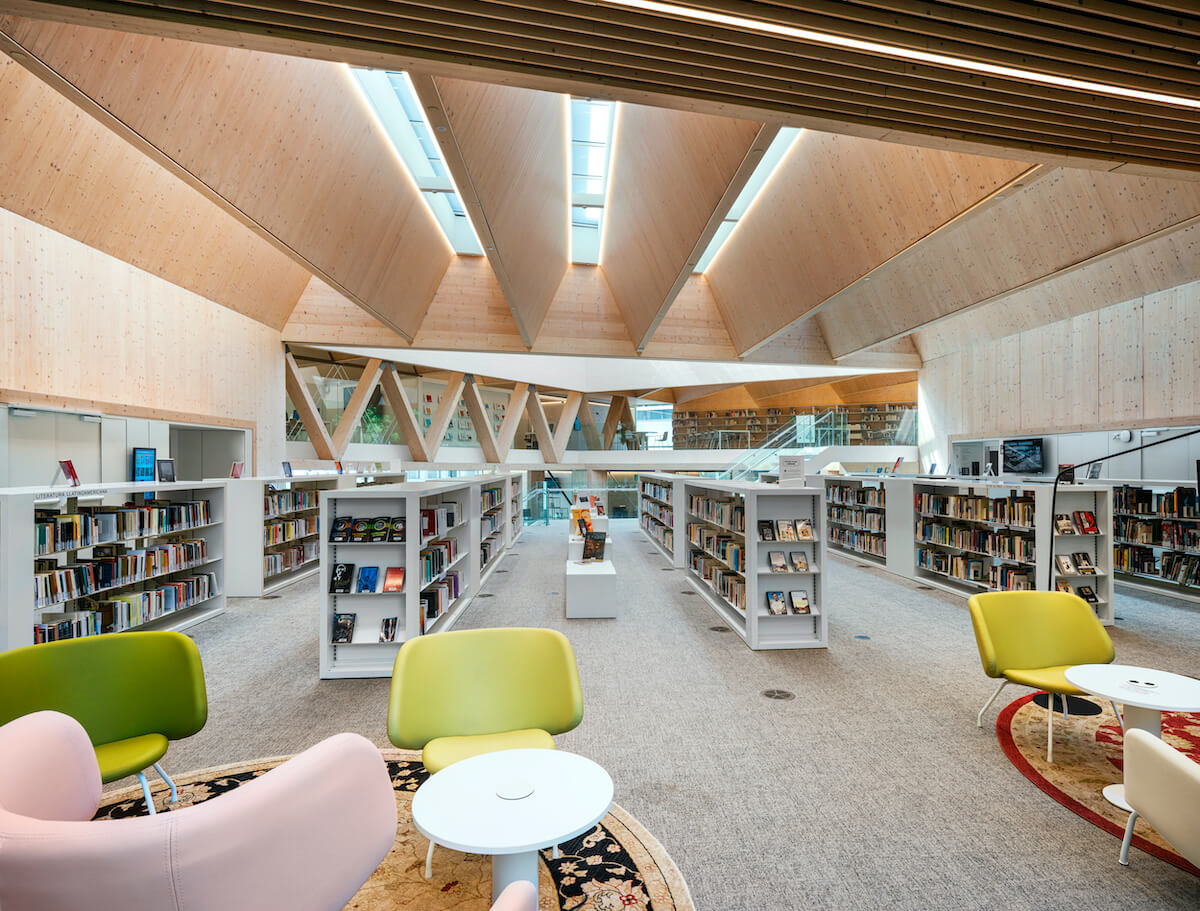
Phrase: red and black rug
(1087, 758)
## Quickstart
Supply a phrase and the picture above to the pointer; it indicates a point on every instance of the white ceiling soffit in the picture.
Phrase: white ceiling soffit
(603, 374)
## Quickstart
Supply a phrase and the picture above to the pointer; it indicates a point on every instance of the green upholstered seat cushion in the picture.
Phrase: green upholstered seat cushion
(1052, 679)
(1033, 629)
(129, 756)
(446, 751)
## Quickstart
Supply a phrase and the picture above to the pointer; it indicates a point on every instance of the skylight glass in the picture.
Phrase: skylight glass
(392, 96)
(591, 154)
(770, 162)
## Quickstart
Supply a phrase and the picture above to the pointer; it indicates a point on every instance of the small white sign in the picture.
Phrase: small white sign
(791, 470)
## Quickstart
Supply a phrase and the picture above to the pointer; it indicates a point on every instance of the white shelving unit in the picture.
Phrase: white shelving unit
(857, 517)
(18, 548)
(365, 655)
(1156, 537)
(728, 564)
(500, 519)
(659, 495)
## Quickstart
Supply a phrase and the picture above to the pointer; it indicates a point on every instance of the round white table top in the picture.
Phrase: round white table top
(1140, 686)
(461, 807)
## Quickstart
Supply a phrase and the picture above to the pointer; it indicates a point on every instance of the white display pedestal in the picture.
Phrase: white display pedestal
(591, 590)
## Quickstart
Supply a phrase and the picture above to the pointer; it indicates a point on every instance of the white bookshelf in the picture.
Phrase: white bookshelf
(857, 517)
(727, 563)
(499, 519)
(516, 506)
(19, 612)
(365, 655)
(658, 515)
(1156, 537)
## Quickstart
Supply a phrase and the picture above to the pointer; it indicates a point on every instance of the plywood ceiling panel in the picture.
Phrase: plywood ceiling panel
(835, 209)
(693, 327)
(506, 149)
(286, 143)
(583, 318)
(674, 177)
(659, 58)
(62, 169)
(1053, 223)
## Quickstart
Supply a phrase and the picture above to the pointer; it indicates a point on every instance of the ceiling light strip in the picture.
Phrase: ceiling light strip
(887, 50)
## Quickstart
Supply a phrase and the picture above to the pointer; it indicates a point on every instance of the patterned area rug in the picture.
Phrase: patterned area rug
(617, 866)
(1087, 758)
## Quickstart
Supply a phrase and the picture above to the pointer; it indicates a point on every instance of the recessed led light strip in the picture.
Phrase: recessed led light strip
(887, 50)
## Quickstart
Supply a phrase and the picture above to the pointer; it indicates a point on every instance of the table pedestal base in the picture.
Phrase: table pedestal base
(1148, 720)
(508, 868)
(1115, 794)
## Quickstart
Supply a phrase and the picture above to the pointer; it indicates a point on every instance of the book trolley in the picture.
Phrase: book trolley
(110, 558)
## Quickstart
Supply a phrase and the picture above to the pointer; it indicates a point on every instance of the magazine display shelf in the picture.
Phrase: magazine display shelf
(18, 614)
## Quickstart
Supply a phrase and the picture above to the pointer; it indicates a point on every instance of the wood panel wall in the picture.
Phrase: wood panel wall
(76, 322)
(1127, 365)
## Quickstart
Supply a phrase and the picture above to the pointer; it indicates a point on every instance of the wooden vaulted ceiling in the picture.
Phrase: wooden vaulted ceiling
(264, 183)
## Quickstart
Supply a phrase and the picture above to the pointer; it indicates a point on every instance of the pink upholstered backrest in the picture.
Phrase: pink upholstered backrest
(48, 768)
(520, 896)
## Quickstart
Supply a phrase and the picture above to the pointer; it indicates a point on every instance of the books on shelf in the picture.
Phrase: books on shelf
(776, 605)
(785, 530)
(112, 566)
(343, 629)
(804, 530)
(368, 580)
(1063, 524)
(339, 531)
(436, 557)
(799, 602)
(280, 531)
(776, 561)
(799, 561)
(378, 530)
(1085, 521)
(387, 629)
(766, 530)
(1088, 594)
(1064, 564)
(360, 530)
(1083, 563)
(279, 562)
(393, 579)
(593, 547)
(436, 598)
(725, 547)
(438, 520)
(340, 578)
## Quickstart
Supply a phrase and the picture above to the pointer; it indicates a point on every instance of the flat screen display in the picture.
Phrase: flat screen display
(143, 466)
(1023, 456)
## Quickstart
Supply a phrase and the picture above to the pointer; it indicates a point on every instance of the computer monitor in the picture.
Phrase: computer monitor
(1023, 456)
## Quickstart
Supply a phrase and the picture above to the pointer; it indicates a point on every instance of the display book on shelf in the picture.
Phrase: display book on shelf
(755, 554)
(856, 510)
(108, 558)
(1156, 536)
(416, 586)
(990, 536)
(658, 512)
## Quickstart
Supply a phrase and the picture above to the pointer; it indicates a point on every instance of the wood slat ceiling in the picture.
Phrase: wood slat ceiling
(656, 58)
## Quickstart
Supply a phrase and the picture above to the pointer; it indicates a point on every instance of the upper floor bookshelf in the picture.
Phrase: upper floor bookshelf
(742, 428)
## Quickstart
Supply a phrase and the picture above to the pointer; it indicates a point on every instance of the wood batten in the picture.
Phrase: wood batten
(506, 149)
(674, 177)
(310, 417)
(807, 238)
(1068, 228)
(479, 420)
(646, 57)
(359, 399)
(62, 169)
(402, 408)
(285, 145)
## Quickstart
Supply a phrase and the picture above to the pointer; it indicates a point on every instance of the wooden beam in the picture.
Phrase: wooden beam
(512, 420)
(685, 394)
(541, 427)
(310, 417)
(566, 423)
(587, 423)
(618, 408)
(357, 405)
(506, 150)
(435, 435)
(397, 398)
(480, 421)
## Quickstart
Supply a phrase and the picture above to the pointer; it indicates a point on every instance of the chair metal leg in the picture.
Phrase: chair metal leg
(429, 862)
(141, 776)
(167, 778)
(1124, 858)
(556, 855)
(987, 705)
(1050, 729)
(1066, 709)
(1117, 712)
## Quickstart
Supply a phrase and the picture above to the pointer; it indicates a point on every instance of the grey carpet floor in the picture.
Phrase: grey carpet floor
(872, 788)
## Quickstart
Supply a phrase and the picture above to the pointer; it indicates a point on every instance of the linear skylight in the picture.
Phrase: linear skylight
(763, 172)
(591, 131)
(392, 96)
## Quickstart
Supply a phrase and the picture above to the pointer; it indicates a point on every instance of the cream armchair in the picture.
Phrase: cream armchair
(1163, 786)
(304, 836)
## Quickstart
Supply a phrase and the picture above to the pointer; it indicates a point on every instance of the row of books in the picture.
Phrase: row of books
(785, 530)
(487, 550)
(864, 542)
(729, 585)
(291, 558)
(1179, 503)
(663, 534)
(1000, 577)
(492, 498)
(1080, 522)
(1074, 564)
(344, 624)
(846, 495)
(1173, 536)
(438, 520)
(724, 547)
(110, 524)
(664, 514)
(1005, 545)
(436, 558)
(1137, 530)
(778, 603)
(656, 490)
(437, 598)
(111, 566)
(368, 580)
(778, 563)
(361, 530)
(727, 511)
(116, 615)
(283, 530)
(282, 502)
(1182, 569)
(867, 519)
(1010, 510)
(1086, 592)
